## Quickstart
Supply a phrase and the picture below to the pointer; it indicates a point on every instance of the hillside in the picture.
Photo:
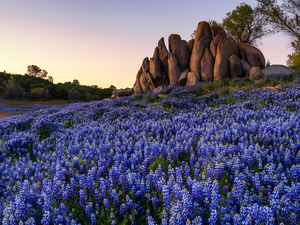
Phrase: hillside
(226, 152)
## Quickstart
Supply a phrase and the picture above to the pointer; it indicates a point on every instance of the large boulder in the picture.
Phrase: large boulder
(225, 49)
(246, 67)
(256, 74)
(137, 86)
(235, 67)
(163, 54)
(173, 69)
(214, 43)
(252, 55)
(216, 30)
(277, 69)
(180, 49)
(143, 82)
(207, 67)
(157, 72)
(156, 53)
(145, 65)
(192, 78)
(183, 77)
(191, 45)
(137, 89)
(202, 41)
(123, 92)
(150, 81)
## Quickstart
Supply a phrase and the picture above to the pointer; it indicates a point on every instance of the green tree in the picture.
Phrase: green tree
(13, 90)
(285, 18)
(246, 24)
(34, 70)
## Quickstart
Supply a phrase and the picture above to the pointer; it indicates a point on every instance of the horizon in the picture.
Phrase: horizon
(104, 43)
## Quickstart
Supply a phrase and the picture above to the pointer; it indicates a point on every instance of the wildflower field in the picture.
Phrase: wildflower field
(202, 155)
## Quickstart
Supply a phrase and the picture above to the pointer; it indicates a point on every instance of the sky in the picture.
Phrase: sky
(104, 42)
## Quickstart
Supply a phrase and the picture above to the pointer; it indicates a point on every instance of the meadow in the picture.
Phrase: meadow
(226, 152)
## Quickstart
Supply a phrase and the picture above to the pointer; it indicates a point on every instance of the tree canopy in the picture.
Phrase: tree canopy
(244, 24)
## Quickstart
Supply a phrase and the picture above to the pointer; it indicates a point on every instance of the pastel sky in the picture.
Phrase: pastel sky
(104, 42)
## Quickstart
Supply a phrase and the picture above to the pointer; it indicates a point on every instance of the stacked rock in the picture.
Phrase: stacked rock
(209, 57)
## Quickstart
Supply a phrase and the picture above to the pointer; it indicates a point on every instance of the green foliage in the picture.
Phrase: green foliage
(25, 86)
(39, 93)
(246, 24)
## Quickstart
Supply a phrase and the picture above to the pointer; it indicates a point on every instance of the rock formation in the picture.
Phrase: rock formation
(209, 57)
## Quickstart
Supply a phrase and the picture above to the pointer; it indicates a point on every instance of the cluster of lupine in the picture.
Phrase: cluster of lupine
(183, 161)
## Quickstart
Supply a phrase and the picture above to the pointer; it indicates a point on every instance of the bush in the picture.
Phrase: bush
(39, 93)
(73, 95)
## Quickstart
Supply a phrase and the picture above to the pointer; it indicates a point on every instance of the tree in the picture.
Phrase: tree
(13, 89)
(36, 71)
(246, 24)
(113, 87)
(284, 17)
(76, 82)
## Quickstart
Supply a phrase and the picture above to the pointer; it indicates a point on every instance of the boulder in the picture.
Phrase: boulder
(180, 50)
(137, 87)
(225, 49)
(163, 54)
(150, 81)
(252, 55)
(214, 43)
(123, 92)
(207, 67)
(245, 67)
(173, 69)
(191, 45)
(143, 83)
(192, 78)
(158, 89)
(145, 65)
(235, 67)
(270, 88)
(162, 96)
(202, 41)
(183, 77)
(157, 72)
(216, 30)
(256, 74)
(156, 53)
(277, 69)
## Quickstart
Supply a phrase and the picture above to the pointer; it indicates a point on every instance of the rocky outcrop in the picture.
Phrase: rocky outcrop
(235, 67)
(202, 41)
(252, 55)
(123, 92)
(277, 69)
(192, 79)
(225, 49)
(256, 74)
(183, 77)
(207, 67)
(173, 69)
(181, 51)
(209, 57)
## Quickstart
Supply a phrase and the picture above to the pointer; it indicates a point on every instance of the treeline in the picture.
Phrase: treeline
(36, 88)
